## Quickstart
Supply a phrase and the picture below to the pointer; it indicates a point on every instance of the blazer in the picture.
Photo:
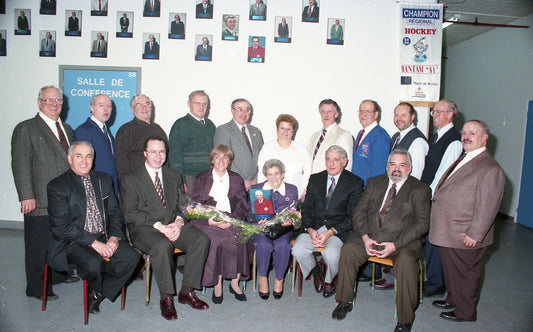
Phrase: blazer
(200, 9)
(177, 28)
(283, 31)
(243, 163)
(148, 7)
(124, 23)
(407, 220)
(200, 51)
(370, 158)
(336, 32)
(103, 46)
(334, 136)
(314, 12)
(154, 50)
(73, 24)
(67, 207)
(338, 214)
(467, 202)
(259, 52)
(36, 158)
(51, 47)
(261, 11)
(22, 23)
(104, 159)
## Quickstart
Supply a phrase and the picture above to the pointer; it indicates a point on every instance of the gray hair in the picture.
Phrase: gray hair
(484, 126)
(337, 148)
(273, 163)
(80, 143)
(452, 107)
(134, 99)
(401, 151)
(93, 98)
(40, 95)
(198, 93)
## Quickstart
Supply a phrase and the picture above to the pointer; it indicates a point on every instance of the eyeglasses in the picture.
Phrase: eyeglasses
(242, 109)
(147, 104)
(433, 113)
(367, 112)
(49, 101)
(153, 153)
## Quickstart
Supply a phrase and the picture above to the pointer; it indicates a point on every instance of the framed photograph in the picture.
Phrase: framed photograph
(73, 22)
(98, 7)
(47, 43)
(230, 27)
(256, 49)
(176, 26)
(261, 204)
(124, 24)
(22, 21)
(99, 44)
(151, 46)
(2, 6)
(335, 31)
(204, 50)
(310, 12)
(258, 10)
(283, 29)
(204, 9)
(48, 7)
(152, 8)
(3, 43)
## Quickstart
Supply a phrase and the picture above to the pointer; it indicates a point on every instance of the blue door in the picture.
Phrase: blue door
(525, 210)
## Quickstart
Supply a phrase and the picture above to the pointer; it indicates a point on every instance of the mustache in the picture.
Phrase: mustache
(466, 140)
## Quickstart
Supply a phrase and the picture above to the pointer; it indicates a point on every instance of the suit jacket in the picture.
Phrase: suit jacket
(104, 160)
(67, 207)
(283, 32)
(36, 158)
(200, 9)
(370, 158)
(2, 46)
(124, 23)
(177, 28)
(51, 47)
(200, 51)
(148, 7)
(243, 163)
(336, 32)
(51, 4)
(314, 12)
(338, 214)
(334, 136)
(261, 11)
(407, 220)
(467, 202)
(154, 50)
(73, 24)
(103, 46)
(22, 23)
(259, 52)
(228, 33)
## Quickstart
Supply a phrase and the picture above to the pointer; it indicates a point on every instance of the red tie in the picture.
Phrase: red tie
(359, 139)
(62, 138)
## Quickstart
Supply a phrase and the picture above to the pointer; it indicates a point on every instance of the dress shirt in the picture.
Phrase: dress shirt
(52, 125)
(219, 191)
(197, 119)
(453, 151)
(281, 188)
(367, 130)
(336, 181)
(469, 156)
(418, 150)
(398, 187)
(152, 171)
(247, 132)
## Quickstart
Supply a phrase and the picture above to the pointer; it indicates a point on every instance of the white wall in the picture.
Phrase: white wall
(491, 79)
(293, 80)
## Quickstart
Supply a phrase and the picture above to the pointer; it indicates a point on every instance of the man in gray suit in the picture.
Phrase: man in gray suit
(39, 154)
(48, 44)
(465, 203)
(244, 140)
(389, 221)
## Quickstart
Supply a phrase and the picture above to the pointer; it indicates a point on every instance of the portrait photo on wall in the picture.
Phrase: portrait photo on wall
(22, 21)
(283, 29)
(48, 7)
(204, 49)
(258, 10)
(335, 31)
(2, 6)
(152, 8)
(124, 24)
(99, 44)
(73, 22)
(3, 43)
(176, 26)
(47, 44)
(204, 8)
(98, 7)
(151, 46)
(310, 11)
(256, 49)
(261, 204)
(230, 27)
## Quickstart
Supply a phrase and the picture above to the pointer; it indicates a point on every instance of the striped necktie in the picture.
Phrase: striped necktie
(320, 140)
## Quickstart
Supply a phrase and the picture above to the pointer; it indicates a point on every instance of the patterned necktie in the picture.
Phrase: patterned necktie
(159, 190)
(435, 138)
(243, 130)
(450, 170)
(388, 203)
(106, 133)
(93, 218)
(396, 141)
(331, 189)
(320, 140)
(62, 138)
(359, 139)
(202, 122)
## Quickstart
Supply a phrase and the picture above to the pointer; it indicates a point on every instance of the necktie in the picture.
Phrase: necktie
(106, 133)
(202, 121)
(159, 190)
(98, 46)
(388, 203)
(309, 11)
(396, 141)
(320, 140)
(47, 43)
(62, 138)
(243, 130)
(359, 139)
(450, 170)
(150, 45)
(435, 138)
(331, 189)
(93, 218)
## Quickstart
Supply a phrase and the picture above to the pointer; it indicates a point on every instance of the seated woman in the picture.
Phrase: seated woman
(283, 195)
(225, 190)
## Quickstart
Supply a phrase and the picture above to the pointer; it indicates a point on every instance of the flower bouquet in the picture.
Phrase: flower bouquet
(274, 227)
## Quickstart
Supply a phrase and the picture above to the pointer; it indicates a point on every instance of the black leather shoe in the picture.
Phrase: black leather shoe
(318, 280)
(49, 297)
(265, 296)
(442, 305)
(403, 327)
(168, 311)
(94, 299)
(450, 315)
(217, 299)
(431, 294)
(277, 295)
(330, 288)
(239, 297)
(71, 279)
(342, 309)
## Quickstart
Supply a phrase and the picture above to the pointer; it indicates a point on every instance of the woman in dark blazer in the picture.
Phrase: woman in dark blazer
(225, 190)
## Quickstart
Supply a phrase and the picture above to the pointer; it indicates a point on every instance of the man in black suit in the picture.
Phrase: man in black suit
(283, 29)
(73, 23)
(204, 9)
(389, 221)
(2, 45)
(152, 211)
(86, 228)
(177, 27)
(124, 23)
(310, 13)
(151, 47)
(22, 21)
(327, 218)
(152, 8)
(204, 49)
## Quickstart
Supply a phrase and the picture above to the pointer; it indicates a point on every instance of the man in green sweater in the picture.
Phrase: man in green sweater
(191, 139)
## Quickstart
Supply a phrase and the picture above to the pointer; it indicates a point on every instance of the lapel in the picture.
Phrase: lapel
(238, 133)
(401, 196)
(169, 187)
(50, 137)
(463, 173)
(98, 195)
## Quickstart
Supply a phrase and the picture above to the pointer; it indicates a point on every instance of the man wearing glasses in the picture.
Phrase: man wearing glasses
(129, 149)
(39, 154)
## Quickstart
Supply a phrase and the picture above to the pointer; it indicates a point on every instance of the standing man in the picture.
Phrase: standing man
(177, 27)
(150, 196)
(204, 49)
(336, 31)
(191, 139)
(39, 154)
(310, 12)
(389, 221)
(258, 10)
(22, 21)
(465, 203)
(152, 7)
(327, 218)
(100, 44)
(86, 227)
(48, 44)
(95, 131)
(331, 134)
(73, 23)
(151, 47)
(204, 9)
(283, 28)
(243, 139)
(124, 23)
(410, 137)
(256, 51)
(445, 148)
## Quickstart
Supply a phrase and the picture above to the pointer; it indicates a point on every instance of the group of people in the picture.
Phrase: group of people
(371, 196)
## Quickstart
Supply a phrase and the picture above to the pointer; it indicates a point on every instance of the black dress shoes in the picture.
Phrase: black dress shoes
(94, 299)
(330, 288)
(192, 300)
(239, 297)
(49, 297)
(442, 305)
(217, 299)
(431, 294)
(450, 315)
(277, 295)
(71, 279)
(266, 295)
(342, 309)
(318, 280)
(168, 311)
(403, 327)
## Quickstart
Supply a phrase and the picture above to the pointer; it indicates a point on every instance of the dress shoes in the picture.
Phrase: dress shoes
(426, 293)
(49, 297)
(168, 311)
(342, 309)
(330, 288)
(450, 315)
(403, 327)
(277, 295)
(318, 280)
(94, 299)
(442, 305)
(239, 297)
(265, 296)
(217, 299)
(382, 284)
(192, 300)
(71, 279)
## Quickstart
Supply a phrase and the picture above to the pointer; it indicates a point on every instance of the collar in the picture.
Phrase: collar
(444, 129)
(405, 131)
(370, 127)
(281, 188)
(398, 184)
(239, 125)
(151, 172)
(331, 126)
(48, 121)
(197, 119)
(100, 124)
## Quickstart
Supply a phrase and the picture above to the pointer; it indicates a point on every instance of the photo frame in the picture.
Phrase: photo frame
(176, 25)
(151, 46)
(335, 31)
(283, 29)
(152, 8)
(311, 11)
(3, 43)
(99, 45)
(22, 19)
(204, 48)
(48, 7)
(256, 49)
(99, 7)
(125, 21)
(258, 10)
(261, 204)
(204, 9)
(47, 43)
(73, 24)
(230, 27)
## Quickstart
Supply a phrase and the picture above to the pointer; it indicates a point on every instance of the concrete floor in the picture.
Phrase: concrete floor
(506, 302)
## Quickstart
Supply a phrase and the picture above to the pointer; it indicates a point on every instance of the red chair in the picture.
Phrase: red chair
(296, 267)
